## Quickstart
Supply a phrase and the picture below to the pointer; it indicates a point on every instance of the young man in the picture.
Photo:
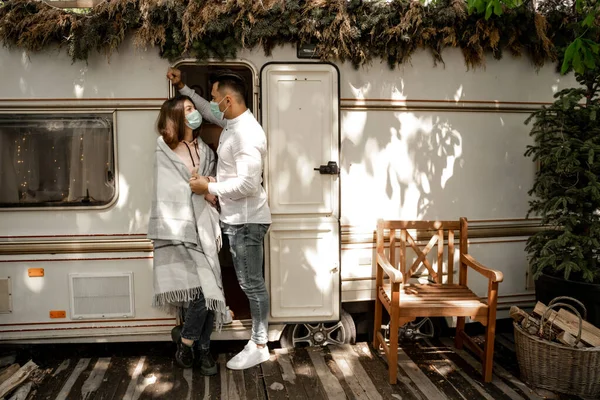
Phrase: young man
(245, 214)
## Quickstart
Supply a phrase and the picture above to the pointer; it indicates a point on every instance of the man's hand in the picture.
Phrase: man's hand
(174, 75)
(199, 184)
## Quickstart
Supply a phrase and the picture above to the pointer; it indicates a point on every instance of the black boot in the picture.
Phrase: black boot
(208, 366)
(184, 355)
(176, 333)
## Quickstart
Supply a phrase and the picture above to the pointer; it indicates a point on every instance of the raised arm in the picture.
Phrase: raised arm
(201, 104)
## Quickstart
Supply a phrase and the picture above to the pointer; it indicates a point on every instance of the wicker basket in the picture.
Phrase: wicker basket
(558, 367)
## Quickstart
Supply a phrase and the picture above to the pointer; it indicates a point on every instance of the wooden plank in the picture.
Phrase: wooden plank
(573, 319)
(273, 380)
(420, 225)
(94, 380)
(179, 384)
(223, 377)
(569, 340)
(75, 392)
(433, 310)
(498, 372)
(441, 294)
(419, 378)
(7, 359)
(293, 386)
(337, 372)
(333, 389)
(376, 370)
(442, 301)
(569, 325)
(56, 380)
(452, 368)
(506, 343)
(138, 383)
(188, 378)
(22, 392)
(200, 389)
(81, 366)
(17, 378)
(7, 372)
(255, 389)
(213, 384)
(307, 375)
(230, 389)
(354, 373)
(236, 384)
(573, 322)
(116, 379)
(472, 370)
(157, 377)
(439, 372)
(437, 286)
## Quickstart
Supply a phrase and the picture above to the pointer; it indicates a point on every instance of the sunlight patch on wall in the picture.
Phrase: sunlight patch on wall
(22, 85)
(403, 176)
(458, 94)
(78, 91)
(398, 93)
(25, 61)
(353, 124)
(35, 285)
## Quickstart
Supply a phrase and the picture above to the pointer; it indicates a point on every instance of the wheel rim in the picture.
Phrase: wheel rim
(319, 334)
(422, 329)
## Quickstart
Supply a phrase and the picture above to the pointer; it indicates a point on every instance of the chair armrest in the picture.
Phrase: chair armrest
(493, 275)
(394, 275)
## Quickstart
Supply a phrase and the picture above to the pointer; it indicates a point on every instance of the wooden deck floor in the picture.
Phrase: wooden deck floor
(429, 370)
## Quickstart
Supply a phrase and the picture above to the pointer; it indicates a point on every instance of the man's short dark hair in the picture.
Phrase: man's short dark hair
(234, 83)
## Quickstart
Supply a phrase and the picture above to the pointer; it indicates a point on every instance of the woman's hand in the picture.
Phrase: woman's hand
(211, 198)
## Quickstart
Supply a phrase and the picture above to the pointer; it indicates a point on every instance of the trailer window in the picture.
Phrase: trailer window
(56, 160)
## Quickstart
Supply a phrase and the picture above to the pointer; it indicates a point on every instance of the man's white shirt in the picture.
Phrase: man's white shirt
(241, 151)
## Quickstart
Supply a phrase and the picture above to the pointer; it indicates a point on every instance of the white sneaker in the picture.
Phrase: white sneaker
(249, 357)
(228, 317)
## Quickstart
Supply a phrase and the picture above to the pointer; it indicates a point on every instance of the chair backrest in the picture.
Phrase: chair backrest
(434, 232)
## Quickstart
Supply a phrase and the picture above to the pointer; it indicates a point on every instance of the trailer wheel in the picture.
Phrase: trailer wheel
(320, 334)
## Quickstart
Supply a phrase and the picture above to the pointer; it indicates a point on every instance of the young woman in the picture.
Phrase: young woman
(186, 233)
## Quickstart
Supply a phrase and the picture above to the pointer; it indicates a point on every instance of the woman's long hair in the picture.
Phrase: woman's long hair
(172, 118)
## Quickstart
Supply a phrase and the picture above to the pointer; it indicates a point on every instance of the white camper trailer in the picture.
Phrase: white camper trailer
(345, 147)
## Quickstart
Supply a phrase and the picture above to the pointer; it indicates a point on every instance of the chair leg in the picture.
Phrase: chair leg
(460, 327)
(488, 350)
(393, 351)
(377, 323)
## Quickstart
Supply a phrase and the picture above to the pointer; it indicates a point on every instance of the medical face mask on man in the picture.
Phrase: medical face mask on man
(214, 108)
(193, 120)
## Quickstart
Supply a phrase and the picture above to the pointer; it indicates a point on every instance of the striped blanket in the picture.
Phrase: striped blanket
(186, 234)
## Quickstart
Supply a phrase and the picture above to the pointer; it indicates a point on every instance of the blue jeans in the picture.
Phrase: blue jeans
(198, 323)
(246, 246)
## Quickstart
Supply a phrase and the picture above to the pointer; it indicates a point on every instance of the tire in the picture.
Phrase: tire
(300, 335)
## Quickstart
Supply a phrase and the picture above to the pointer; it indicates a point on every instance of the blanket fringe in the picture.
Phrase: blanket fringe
(171, 302)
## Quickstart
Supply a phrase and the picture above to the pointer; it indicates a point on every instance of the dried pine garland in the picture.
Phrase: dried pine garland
(354, 31)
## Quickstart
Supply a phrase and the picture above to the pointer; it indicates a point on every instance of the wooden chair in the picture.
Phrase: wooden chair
(406, 301)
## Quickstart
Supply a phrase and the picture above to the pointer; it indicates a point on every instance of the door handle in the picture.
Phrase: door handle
(330, 169)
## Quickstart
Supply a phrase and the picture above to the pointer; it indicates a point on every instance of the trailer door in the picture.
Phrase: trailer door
(300, 115)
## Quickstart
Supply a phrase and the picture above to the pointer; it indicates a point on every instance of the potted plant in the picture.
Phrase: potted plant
(565, 257)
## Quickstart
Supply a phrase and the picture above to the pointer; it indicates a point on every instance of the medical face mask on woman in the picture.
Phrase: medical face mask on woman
(193, 119)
